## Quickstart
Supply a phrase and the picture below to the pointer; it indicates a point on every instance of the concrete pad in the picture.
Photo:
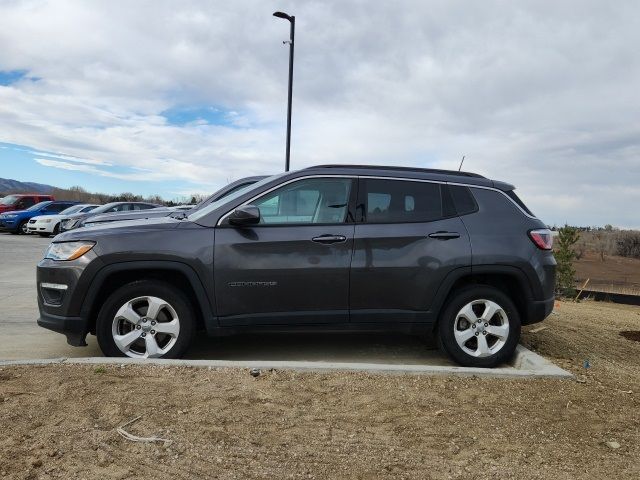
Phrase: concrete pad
(526, 364)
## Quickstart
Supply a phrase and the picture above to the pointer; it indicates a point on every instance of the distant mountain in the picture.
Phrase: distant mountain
(8, 186)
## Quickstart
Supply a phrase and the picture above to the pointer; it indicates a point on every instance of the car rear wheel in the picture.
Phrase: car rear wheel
(480, 327)
(145, 319)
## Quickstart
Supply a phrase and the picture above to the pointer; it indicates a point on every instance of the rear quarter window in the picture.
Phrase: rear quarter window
(463, 200)
(512, 195)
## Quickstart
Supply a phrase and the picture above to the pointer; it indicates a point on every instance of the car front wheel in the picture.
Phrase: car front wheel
(480, 327)
(145, 319)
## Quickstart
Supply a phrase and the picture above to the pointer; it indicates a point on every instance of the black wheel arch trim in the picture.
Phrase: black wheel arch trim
(454, 275)
(101, 276)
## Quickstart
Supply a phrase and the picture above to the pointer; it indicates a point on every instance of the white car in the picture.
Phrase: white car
(46, 225)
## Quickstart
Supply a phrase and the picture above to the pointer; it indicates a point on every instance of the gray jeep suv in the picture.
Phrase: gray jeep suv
(328, 248)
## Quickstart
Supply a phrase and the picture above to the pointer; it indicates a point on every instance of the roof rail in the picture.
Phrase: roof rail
(402, 169)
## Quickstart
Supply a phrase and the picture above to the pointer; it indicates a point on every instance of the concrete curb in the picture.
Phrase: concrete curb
(525, 364)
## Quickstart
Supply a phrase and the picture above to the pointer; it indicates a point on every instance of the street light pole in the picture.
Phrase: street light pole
(292, 21)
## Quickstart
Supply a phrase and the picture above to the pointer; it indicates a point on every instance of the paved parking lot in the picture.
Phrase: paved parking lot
(23, 339)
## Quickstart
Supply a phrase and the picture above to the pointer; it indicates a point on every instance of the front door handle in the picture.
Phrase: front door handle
(329, 239)
(444, 235)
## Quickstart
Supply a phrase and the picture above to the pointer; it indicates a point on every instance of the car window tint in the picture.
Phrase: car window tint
(59, 207)
(26, 202)
(463, 199)
(399, 201)
(234, 190)
(313, 200)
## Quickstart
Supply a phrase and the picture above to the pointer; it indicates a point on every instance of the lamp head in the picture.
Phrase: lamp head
(282, 15)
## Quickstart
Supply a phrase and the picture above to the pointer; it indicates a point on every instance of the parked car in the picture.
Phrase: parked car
(16, 222)
(22, 201)
(77, 220)
(166, 211)
(50, 224)
(328, 248)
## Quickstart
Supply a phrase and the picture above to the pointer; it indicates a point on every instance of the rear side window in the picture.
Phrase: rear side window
(512, 195)
(399, 201)
(463, 200)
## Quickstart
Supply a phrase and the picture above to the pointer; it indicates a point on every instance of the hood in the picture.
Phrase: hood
(52, 217)
(119, 228)
(131, 215)
(13, 212)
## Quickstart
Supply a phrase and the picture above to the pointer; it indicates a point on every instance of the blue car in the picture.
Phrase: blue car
(16, 221)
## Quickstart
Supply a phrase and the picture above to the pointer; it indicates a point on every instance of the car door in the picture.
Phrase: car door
(407, 239)
(292, 267)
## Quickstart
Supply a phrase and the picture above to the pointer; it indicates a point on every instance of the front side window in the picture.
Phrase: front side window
(26, 202)
(399, 201)
(56, 207)
(312, 200)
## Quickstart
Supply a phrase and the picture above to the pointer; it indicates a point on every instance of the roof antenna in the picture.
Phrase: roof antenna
(461, 162)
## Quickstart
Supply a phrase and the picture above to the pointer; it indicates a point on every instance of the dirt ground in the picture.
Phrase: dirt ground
(613, 270)
(60, 421)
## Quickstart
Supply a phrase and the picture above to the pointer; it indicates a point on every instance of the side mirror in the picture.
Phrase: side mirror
(245, 215)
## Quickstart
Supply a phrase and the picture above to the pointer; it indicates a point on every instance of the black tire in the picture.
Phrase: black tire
(56, 229)
(43, 234)
(141, 288)
(22, 228)
(447, 325)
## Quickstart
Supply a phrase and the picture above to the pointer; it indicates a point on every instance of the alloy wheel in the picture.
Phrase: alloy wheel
(481, 328)
(145, 327)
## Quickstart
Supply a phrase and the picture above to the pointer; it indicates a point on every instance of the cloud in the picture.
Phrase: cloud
(81, 167)
(540, 94)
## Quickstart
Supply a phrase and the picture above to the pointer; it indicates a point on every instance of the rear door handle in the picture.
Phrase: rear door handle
(444, 235)
(329, 239)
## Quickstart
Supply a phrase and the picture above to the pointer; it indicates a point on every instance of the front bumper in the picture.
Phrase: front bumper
(62, 287)
(74, 328)
(39, 228)
(8, 225)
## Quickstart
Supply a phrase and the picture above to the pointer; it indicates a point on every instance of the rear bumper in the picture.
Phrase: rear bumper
(538, 310)
(74, 328)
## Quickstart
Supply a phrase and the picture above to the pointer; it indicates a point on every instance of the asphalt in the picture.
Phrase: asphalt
(22, 340)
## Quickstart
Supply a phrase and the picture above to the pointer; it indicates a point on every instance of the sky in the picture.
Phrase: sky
(176, 98)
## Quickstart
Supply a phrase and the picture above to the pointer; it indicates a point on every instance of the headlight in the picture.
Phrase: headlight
(68, 250)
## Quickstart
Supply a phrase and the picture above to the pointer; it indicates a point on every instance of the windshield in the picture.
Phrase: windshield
(228, 198)
(104, 208)
(9, 200)
(38, 206)
(70, 210)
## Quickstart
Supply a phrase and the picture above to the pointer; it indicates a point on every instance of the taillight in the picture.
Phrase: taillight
(542, 238)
